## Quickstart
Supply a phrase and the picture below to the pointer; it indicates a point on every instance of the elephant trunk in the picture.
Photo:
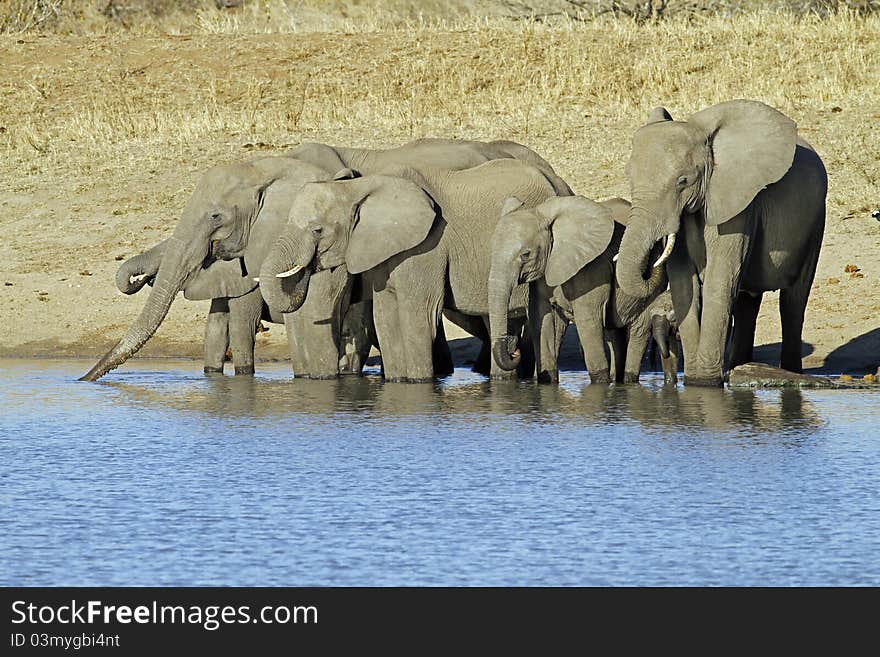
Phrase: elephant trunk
(141, 269)
(636, 248)
(180, 261)
(284, 276)
(660, 331)
(502, 280)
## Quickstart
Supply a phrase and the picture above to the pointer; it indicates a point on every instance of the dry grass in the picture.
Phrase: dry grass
(118, 125)
(73, 103)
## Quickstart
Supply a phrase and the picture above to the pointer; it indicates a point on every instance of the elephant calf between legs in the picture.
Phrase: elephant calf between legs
(564, 248)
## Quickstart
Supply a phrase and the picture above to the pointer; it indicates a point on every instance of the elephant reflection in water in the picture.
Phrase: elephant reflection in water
(281, 398)
(668, 409)
(675, 409)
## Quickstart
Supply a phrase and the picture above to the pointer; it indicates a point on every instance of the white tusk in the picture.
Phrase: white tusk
(670, 242)
(289, 272)
(138, 278)
(257, 279)
(616, 256)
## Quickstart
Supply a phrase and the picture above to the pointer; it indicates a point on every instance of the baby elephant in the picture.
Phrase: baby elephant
(657, 322)
(564, 248)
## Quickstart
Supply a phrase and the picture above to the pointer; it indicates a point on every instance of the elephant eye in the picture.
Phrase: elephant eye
(683, 181)
(525, 255)
(317, 230)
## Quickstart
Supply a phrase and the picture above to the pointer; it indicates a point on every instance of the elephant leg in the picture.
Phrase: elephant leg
(216, 336)
(357, 337)
(725, 256)
(244, 318)
(792, 308)
(440, 353)
(591, 334)
(547, 326)
(390, 335)
(684, 286)
(589, 311)
(745, 316)
(313, 331)
(636, 343)
(418, 319)
(670, 366)
(615, 338)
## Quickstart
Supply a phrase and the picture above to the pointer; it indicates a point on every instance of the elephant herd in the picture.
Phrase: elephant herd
(355, 248)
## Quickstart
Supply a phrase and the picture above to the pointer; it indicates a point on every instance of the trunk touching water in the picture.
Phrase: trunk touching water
(141, 269)
(501, 284)
(284, 276)
(636, 246)
(178, 264)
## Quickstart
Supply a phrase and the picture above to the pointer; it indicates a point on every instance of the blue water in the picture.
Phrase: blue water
(160, 475)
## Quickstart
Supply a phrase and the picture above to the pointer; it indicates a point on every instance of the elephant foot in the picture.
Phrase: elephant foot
(213, 370)
(630, 377)
(244, 370)
(350, 366)
(670, 380)
(420, 379)
(602, 377)
(704, 381)
(396, 379)
(504, 376)
(546, 376)
(316, 377)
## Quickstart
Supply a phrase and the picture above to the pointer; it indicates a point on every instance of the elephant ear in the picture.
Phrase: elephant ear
(753, 146)
(582, 230)
(657, 115)
(223, 278)
(620, 209)
(395, 215)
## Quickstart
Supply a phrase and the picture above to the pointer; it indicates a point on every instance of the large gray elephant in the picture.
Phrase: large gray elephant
(219, 223)
(563, 248)
(238, 193)
(746, 199)
(420, 240)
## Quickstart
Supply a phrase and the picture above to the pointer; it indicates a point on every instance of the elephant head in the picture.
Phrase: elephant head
(354, 221)
(553, 240)
(215, 226)
(713, 164)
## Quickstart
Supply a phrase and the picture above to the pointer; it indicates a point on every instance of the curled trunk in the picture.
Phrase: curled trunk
(286, 294)
(141, 269)
(636, 247)
(179, 263)
(501, 284)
